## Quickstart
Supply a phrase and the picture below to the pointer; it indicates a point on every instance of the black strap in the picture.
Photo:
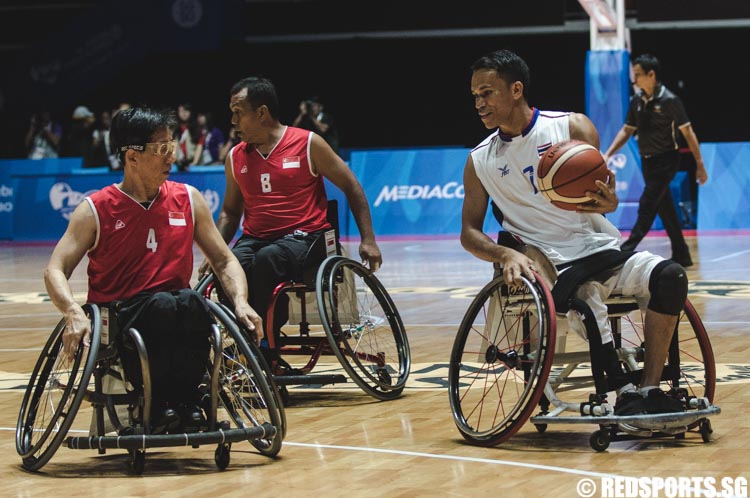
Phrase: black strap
(581, 270)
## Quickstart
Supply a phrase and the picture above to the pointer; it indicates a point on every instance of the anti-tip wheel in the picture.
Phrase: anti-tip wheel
(599, 440)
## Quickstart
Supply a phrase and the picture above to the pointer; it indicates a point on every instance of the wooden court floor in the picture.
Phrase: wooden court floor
(341, 442)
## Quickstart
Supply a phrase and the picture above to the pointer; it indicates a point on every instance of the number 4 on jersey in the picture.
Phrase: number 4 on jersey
(151, 240)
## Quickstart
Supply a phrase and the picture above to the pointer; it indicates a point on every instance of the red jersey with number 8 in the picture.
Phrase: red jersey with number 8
(137, 248)
(281, 193)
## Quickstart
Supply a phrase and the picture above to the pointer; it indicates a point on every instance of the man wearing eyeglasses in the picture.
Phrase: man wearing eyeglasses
(138, 235)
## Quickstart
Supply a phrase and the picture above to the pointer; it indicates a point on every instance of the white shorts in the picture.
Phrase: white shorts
(630, 280)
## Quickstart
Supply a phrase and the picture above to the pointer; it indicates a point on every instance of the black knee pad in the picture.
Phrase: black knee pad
(668, 286)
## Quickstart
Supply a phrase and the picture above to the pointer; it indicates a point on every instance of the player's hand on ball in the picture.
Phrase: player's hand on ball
(603, 201)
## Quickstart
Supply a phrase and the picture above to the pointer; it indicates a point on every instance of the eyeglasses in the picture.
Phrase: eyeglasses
(158, 148)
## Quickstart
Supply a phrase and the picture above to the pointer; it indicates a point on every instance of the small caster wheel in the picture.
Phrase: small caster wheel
(599, 440)
(221, 456)
(384, 377)
(137, 461)
(706, 430)
(541, 428)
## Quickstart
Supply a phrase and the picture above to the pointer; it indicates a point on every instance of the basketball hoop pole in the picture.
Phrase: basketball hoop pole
(607, 24)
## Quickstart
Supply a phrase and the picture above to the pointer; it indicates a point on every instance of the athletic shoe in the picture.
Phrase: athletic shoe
(658, 401)
(630, 403)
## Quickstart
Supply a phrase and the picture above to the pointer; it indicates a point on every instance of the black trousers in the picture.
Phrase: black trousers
(175, 327)
(658, 172)
(267, 263)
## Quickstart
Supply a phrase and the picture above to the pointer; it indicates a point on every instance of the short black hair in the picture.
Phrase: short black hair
(508, 65)
(648, 63)
(260, 91)
(137, 125)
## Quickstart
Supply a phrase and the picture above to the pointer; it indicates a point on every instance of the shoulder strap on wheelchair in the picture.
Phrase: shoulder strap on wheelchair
(582, 270)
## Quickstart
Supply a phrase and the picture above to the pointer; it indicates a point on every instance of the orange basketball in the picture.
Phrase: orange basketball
(568, 170)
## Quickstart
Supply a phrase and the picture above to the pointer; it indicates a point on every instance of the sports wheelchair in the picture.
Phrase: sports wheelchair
(357, 322)
(508, 360)
(235, 382)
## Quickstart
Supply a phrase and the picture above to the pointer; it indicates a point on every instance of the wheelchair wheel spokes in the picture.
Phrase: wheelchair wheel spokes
(242, 396)
(690, 364)
(56, 389)
(244, 389)
(500, 361)
(364, 328)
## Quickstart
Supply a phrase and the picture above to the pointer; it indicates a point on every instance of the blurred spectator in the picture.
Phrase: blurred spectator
(79, 141)
(232, 140)
(209, 140)
(43, 137)
(183, 134)
(311, 117)
(102, 153)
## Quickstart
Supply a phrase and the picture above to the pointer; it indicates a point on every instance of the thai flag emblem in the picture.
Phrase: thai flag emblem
(177, 219)
(541, 149)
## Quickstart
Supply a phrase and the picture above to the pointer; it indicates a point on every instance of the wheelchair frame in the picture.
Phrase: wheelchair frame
(369, 341)
(501, 369)
(57, 387)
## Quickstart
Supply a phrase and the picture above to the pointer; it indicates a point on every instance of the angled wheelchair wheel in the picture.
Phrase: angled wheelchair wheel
(205, 285)
(55, 391)
(501, 359)
(363, 327)
(690, 364)
(245, 389)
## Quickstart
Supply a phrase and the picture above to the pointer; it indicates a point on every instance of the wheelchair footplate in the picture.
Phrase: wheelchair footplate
(195, 439)
(309, 379)
(622, 427)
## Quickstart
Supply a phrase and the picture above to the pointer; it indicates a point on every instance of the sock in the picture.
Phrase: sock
(645, 389)
(627, 388)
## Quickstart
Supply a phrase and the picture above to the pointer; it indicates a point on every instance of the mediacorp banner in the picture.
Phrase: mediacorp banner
(412, 192)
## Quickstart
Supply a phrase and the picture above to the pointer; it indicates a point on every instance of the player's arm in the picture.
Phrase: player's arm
(231, 209)
(67, 254)
(225, 265)
(327, 163)
(605, 200)
(473, 238)
(581, 128)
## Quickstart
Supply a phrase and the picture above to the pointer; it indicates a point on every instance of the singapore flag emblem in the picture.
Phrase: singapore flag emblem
(177, 219)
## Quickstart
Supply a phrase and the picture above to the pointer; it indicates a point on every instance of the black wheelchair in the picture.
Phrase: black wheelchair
(356, 321)
(505, 364)
(241, 401)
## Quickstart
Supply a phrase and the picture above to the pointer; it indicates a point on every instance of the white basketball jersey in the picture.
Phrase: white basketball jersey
(506, 166)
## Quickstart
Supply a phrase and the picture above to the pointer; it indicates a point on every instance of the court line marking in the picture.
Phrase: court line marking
(491, 461)
(729, 256)
(425, 455)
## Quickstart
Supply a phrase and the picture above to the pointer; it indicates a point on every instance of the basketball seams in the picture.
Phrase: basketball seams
(560, 162)
(571, 180)
(546, 182)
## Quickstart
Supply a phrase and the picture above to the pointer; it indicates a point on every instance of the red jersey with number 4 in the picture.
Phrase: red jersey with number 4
(281, 193)
(140, 248)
